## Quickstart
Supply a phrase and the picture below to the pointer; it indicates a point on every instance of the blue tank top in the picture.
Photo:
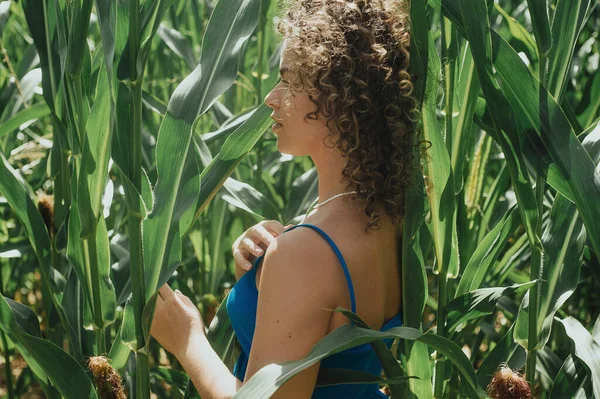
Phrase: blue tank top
(241, 307)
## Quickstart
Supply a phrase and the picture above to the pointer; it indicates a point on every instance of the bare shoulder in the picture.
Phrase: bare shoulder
(303, 255)
(301, 241)
(293, 309)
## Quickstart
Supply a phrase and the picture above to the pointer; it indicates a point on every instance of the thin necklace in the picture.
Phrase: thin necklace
(314, 205)
(332, 198)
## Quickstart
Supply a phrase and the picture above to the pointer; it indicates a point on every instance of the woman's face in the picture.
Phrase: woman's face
(295, 136)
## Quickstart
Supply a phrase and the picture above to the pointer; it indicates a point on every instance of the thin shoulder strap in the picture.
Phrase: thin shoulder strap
(340, 257)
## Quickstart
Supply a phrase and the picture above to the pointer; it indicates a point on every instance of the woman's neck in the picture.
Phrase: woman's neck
(329, 164)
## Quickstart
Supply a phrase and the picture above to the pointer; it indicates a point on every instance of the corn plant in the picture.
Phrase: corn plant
(133, 152)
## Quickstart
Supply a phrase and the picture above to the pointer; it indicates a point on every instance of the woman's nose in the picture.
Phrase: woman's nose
(272, 99)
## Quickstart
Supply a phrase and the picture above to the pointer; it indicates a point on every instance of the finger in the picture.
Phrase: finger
(241, 260)
(186, 300)
(261, 233)
(251, 246)
(179, 293)
(183, 297)
(274, 226)
(166, 292)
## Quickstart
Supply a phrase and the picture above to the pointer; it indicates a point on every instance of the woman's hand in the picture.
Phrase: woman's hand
(177, 322)
(254, 242)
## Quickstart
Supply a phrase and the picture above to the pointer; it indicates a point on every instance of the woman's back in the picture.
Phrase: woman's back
(363, 275)
(372, 259)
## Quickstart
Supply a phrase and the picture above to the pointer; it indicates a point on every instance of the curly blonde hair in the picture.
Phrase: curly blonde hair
(353, 58)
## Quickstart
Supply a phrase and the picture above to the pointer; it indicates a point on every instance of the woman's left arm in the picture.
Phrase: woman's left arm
(300, 280)
(207, 371)
(178, 327)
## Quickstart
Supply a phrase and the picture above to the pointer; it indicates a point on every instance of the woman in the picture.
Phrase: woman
(344, 100)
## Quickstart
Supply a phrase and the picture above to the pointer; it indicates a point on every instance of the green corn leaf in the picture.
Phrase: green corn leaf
(215, 174)
(419, 48)
(178, 185)
(94, 161)
(563, 240)
(477, 30)
(88, 246)
(72, 304)
(120, 351)
(221, 113)
(17, 319)
(138, 204)
(79, 12)
(25, 318)
(478, 303)
(4, 14)
(35, 112)
(495, 191)
(93, 273)
(596, 329)
(414, 286)
(237, 145)
(334, 376)
(246, 197)
(520, 33)
(268, 379)
(544, 131)
(216, 241)
(418, 366)
(221, 134)
(230, 23)
(538, 9)
(221, 335)
(176, 378)
(414, 275)
(122, 143)
(566, 26)
(152, 13)
(46, 25)
(127, 335)
(20, 198)
(302, 195)
(47, 361)
(571, 377)
(107, 19)
(179, 44)
(591, 142)
(440, 184)
(549, 365)
(466, 93)
(587, 349)
(587, 117)
(506, 350)
(487, 253)
(389, 364)
(153, 103)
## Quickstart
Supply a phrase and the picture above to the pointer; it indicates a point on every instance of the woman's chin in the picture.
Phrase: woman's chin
(284, 150)
(281, 148)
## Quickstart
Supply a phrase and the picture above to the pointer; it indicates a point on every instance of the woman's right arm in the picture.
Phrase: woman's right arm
(253, 243)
